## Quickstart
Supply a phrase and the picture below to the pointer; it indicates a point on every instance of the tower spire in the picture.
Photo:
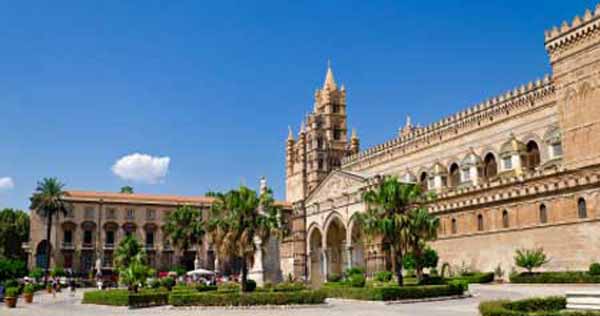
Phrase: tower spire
(290, 134)
(329, 80)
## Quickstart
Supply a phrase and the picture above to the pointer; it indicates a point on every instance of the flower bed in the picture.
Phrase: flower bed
(395, 293)
(555, 277)
(549, 306)
(248, 299)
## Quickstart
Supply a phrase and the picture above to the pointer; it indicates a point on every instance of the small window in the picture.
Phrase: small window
(543, 214)
(111, 213)
(556, 150)
(70, 212)
(150, 214)
(110, 237)
(130, 214)
(336, 108)
(507, 162)
(320, 164)
(89, 212)
(68, 237)
(454, 228)
(87, 237)
(480, 222)
(319, 143)
(466, 175)
(150, 238)
(505, 219)
(581, 208)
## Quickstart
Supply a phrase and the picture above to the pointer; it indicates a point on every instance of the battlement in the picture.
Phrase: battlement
(524, 95)
(567, 33)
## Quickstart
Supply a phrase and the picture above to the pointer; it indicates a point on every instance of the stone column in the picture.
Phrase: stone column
(325, 266)
(349, 256)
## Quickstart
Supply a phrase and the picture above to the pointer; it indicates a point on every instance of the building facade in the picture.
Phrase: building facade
(98, 221)
(519, 170)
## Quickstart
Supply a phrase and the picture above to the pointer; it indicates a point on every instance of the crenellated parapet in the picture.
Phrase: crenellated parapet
(561, 40)
(523, 98)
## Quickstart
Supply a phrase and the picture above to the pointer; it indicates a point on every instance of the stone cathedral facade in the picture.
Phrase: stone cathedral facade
(519, 170)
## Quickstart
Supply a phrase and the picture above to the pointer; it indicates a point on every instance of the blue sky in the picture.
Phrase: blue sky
(213, 85)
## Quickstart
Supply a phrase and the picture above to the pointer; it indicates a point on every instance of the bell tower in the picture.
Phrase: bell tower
(322, 141)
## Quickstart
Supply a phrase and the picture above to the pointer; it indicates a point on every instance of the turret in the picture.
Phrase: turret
(354, 143)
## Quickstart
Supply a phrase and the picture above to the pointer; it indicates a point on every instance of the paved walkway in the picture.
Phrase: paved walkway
(65, 305)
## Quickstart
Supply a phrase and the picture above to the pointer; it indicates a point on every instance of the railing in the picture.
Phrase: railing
(87, 246)
(67, 245)
(109, 245)
(149, 246)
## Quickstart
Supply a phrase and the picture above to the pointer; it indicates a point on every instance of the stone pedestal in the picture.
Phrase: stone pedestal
(257, 272)
(583, 300)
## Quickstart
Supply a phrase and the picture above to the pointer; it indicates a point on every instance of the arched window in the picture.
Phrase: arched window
(505, 219)
(423, 181)
(454, 229)
(543, 214)
(490, 167)
(581, 208)
(533, 155)
(454, 175)
(480, 222)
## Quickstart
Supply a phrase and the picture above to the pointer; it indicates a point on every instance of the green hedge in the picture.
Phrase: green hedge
(145, 298)
(392, 293)
(247, 299)
(109, 297)
(549, 306)
(555, 277)
(477, 277)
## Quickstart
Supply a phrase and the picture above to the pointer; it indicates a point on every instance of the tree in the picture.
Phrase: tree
(127, 189)
(530, 258)
(128, 251)
(239, 218)
(428, 259)
(47, 201)
(14, 231)
(134, 275)
(422, 228)
(185, 227)
(387, 216)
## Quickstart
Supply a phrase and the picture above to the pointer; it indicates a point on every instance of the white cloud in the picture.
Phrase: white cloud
(6, 183)
(141, 168)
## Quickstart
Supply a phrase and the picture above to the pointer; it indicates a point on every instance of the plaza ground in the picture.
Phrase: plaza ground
(65, 305)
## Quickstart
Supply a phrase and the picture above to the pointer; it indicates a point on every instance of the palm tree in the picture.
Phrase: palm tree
(239, 218)
(47, 201)
(423, 227)
(129, 250)
(185, 228)
(387, 216)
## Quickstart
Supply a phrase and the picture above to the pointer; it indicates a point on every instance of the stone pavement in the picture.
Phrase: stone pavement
(65, 305)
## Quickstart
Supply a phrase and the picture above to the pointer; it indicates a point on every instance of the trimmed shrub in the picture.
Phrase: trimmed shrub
(247, 299)
(289, 287)
(167, 282)
(594, 269)
(432, 280)
(250, 285)
(383, 276)
(396, 293)
(205, 288)
(357, 280)
(37, 273)
(229, 287)
(334, 277)
(555, 277)
(110, 297)
(28, 289)
(476, 277)
(147, 299)
(355, 270)
(548, 306)
(144, 298)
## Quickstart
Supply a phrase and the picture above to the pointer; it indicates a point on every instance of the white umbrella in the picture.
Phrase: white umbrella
(200, 272)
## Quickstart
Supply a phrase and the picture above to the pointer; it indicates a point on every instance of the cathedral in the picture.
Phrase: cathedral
(518, 170)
